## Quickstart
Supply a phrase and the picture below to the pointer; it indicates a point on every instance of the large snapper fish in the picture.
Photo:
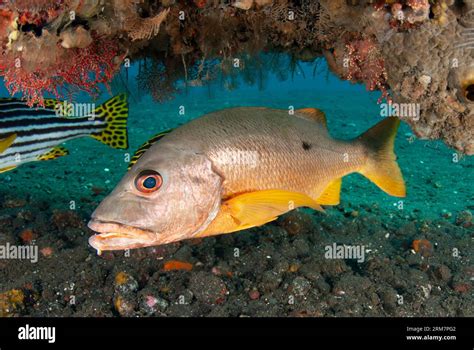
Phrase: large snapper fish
(238, 168)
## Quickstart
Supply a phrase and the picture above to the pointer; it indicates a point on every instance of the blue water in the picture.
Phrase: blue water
(435, 184)
(432, 177)
(56, 198)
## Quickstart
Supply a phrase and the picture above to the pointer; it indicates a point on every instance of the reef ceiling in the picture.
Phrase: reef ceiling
(416, 52)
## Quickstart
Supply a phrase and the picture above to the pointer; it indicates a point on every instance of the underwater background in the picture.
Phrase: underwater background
(418, 250)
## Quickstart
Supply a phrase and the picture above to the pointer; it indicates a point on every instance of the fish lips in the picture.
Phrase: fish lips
(117, 236)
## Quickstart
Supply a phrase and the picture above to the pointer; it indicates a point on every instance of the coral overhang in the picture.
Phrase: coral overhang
(413, 51)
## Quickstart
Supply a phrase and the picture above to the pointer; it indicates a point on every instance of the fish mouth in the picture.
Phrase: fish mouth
(117, 236)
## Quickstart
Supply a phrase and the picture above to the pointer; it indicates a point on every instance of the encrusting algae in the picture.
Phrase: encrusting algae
(63, 47)
(11, 302)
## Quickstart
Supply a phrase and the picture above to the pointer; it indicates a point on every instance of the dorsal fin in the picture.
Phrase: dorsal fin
(49, 103)
(143, 148)
(9, 99)
(312, 114)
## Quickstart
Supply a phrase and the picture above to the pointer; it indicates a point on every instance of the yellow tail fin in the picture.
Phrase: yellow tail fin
(381, 167)
(115, 113)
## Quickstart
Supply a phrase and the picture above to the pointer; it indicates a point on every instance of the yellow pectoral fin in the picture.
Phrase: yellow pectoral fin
(223, 223)
(254, 224)
(332, 193)
(54, 153)
(254, 208)
(7, 142)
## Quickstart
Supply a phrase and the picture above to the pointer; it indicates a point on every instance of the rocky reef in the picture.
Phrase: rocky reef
(418, 53)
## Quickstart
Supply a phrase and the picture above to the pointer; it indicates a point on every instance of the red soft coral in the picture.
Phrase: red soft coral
(91, 66)
(31, 85)
(79, 69)
(366, 64)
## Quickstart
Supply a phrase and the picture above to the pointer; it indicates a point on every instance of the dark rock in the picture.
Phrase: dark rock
(270, 281)
(388, 297)
(310, 271)
(464, 219)
(296, 222)
(208, 288)
(125, 283)
(351, 285)
(443, 273)
(302, 247)
(300, 286)
(322, 286)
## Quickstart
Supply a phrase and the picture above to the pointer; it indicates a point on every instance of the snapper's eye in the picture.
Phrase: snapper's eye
(148, 181)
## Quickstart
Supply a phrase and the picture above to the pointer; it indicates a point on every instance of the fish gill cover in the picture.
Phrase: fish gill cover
(412, 257)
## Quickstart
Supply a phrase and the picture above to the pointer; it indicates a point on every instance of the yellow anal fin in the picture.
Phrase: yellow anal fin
(6, 142)
(54, 153)
(332, 193)
(255, 224)
(115, 113)
(4, 170)
(256, 208)
(312, 114)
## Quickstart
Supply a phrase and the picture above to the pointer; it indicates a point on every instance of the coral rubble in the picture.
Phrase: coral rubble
(414, 51)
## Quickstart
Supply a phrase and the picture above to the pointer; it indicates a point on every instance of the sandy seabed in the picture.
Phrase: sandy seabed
(277, 270)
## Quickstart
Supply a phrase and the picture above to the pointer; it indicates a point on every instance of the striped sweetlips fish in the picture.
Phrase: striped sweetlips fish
(35, 134)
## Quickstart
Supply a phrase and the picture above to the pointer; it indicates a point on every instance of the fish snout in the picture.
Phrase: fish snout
(117, 236)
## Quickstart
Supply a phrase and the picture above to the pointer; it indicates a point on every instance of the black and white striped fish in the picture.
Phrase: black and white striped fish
(34, 134)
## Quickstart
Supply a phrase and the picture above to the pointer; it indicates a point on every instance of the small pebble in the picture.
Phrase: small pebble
(208, 288)
(464, 219)
(254, 294)
(423, 247)
(125, 283)
(443, 273)
(300, 286)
